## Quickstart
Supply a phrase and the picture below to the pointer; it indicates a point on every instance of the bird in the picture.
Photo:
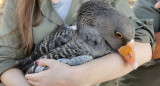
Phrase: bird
(100, 30)
(54, 40)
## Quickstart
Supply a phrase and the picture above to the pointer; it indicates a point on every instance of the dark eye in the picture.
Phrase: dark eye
(118, 35)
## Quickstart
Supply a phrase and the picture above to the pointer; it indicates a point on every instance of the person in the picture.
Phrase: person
(17, 36)
(147, 74)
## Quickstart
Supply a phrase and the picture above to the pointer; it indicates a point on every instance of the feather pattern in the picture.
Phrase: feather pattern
(97, 23)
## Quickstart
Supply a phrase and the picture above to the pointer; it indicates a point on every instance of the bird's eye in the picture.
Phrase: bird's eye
(118, 35)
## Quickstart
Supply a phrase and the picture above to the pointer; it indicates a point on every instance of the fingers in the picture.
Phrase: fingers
(33, 77)
(34, 83)
(48, 62)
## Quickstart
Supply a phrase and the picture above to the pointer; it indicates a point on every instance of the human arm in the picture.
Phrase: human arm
(118, 67)
(14, 77)
(115, 60)
(93, 72)
(150, 10)
(9, 48)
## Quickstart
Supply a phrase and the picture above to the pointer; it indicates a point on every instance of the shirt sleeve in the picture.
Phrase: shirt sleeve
(9, 39)
(144, 9)
(143, 28)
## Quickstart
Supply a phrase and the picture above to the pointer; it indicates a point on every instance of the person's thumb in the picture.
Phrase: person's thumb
(46, 62)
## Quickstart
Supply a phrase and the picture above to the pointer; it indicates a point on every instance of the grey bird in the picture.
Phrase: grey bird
(100, 30)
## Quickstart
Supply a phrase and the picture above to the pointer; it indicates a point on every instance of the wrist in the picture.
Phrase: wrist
(75, 77)
(96, 71)
(81, 75)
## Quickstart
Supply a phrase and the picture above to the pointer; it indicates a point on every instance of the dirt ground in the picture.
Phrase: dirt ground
(131, 2)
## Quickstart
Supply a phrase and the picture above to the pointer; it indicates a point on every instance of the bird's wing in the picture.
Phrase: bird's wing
(55, 39)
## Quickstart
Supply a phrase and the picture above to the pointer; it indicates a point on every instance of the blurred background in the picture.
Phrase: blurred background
(2, 3)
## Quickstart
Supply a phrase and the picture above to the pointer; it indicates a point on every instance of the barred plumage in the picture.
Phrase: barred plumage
(95, 37)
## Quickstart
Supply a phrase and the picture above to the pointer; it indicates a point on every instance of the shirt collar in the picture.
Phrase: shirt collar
(48, 11)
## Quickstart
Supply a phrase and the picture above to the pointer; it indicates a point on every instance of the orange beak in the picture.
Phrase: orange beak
(128, 54)
(157, 5)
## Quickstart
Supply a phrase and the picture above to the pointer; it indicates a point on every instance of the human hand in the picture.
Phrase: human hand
(58, 74)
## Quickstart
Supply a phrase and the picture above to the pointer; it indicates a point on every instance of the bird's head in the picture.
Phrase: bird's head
(112, 25)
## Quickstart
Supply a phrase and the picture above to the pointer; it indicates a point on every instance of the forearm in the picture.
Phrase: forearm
(14, 77)
(111, 66)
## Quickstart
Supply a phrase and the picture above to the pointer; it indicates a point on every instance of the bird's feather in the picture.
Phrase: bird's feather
(97, 23)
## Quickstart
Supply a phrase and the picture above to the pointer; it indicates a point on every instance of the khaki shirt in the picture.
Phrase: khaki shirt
(149, 73)
(144, 9)
(11, 43)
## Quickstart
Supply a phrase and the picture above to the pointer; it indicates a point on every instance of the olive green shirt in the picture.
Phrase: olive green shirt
(144, 9)
(149, 73)
(10, 43)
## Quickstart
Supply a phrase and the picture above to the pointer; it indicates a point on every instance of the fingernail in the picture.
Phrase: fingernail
(37, 61)
(157, 5)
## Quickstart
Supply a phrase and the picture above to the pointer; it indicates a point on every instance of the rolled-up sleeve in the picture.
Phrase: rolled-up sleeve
(9, 39)
(144, 9)
(144, 28)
